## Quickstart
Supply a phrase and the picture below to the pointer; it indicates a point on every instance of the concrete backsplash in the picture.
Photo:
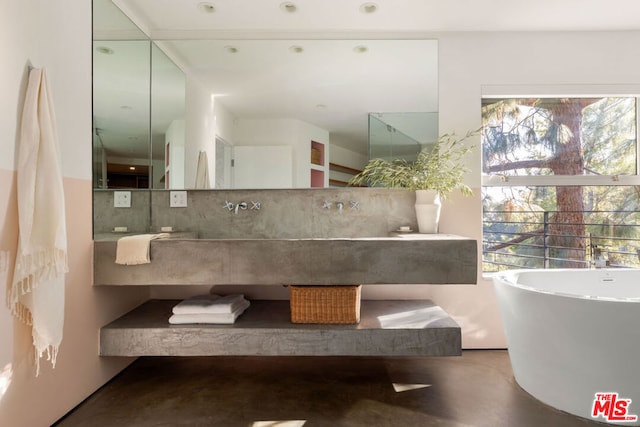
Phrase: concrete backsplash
(106, 217)
(291, 213)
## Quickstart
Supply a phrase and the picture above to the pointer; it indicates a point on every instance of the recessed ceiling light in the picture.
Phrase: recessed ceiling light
(296, 49)
(206, 7)
(231, 49)
(360, 49)
(368, 7)
(105, 50)
(132, 168)
(288, 7)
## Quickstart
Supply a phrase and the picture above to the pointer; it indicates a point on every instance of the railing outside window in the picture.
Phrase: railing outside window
(536, 239)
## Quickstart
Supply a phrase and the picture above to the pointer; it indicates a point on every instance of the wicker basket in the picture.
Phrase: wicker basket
(325, 304)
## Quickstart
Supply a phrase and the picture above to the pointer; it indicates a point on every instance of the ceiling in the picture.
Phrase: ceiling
(195, 33)
(166, 18)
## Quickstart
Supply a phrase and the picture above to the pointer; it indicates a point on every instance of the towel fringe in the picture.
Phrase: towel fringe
(21, 312)
(44, 264)
(41, 349)
(30, 270)
(40, 345)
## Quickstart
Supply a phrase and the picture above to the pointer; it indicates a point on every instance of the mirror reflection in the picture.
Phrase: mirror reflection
(256, 113)
(121, 113)
(167, 122)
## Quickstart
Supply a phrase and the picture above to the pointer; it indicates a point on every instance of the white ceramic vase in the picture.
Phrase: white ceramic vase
(428, 211)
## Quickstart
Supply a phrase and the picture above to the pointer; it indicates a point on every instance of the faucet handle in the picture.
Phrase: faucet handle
(326, 205)
(355, 205)
(255, 205)
(228, 205)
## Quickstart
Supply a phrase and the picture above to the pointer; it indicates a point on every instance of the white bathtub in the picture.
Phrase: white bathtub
(572, 334)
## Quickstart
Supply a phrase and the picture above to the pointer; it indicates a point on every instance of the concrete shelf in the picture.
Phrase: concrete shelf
(387, 328)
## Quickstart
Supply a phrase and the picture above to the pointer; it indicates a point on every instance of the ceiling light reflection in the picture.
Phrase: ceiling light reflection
(288, 7)
(368, 7)
(206, 7)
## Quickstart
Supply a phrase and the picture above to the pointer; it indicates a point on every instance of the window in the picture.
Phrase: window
(560, 182)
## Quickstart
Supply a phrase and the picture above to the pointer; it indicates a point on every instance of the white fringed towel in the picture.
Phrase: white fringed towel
(209, 304)
(36, 294)
(210, 318)
(133, 250)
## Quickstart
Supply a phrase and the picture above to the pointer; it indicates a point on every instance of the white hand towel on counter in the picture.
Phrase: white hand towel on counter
(209, 304)
(209, 318)
(133, 250)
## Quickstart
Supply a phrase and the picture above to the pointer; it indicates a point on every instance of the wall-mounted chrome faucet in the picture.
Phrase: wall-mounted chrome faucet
(354, 205)
(241, 205)
(234, 207)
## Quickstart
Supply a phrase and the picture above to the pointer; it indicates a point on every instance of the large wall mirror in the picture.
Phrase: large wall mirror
(188, 112)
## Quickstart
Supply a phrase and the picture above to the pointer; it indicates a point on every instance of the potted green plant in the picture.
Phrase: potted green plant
(434, 175)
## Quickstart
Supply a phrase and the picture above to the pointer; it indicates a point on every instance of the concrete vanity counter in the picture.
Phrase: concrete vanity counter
(387, 328)
(400, 258)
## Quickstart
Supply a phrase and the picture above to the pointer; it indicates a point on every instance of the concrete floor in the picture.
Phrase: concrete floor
(476, 389)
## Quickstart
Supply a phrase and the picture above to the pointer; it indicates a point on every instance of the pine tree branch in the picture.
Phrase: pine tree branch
(516, 240)
(523, 164)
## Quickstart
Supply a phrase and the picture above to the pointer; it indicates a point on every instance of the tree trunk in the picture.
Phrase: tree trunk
(568, 232)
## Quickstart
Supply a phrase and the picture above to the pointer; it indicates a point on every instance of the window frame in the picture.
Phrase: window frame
(577, 91)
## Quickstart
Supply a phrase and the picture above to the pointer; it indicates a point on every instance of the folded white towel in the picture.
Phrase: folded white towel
(209, 318)
(132, 250)
(209, 304)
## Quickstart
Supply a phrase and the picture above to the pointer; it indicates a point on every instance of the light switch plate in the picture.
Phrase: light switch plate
(122, 199)
(178, 199)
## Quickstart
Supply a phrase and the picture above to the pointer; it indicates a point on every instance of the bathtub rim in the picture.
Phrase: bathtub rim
(509, 278)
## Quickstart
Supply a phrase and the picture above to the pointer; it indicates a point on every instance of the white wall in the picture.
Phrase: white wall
(200, 131)
(292, 132)
(175, 139)
(57, 37)
(263, 131)
(225, 123)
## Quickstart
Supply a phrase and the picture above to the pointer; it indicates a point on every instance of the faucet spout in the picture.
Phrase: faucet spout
(340, 206)
(241, 205)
